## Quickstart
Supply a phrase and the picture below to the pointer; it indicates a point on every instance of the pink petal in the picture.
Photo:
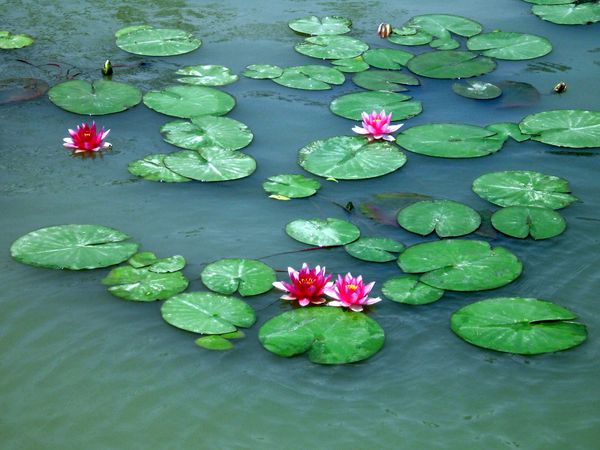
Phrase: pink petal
(372, 300)
(356, 308)
(304, 301)
(360, 130)
(368, 287)
(335, 303)
(388, 137)
(393, 128)
(279, 285)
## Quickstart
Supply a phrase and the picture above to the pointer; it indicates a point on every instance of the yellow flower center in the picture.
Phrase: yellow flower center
(352, 287)
(308, 280)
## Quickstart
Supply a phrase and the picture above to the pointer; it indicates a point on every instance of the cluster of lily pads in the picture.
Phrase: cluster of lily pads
(212, 145)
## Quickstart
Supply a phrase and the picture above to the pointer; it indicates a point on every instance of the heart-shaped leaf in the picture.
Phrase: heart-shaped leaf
(148, 41)
(97, 98)
(323, 232)
(189, 101)
(523, 221)
(409, 290)
(246, 276)
(447, 218)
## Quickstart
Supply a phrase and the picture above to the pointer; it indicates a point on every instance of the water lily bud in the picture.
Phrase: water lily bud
(560, 87)
(107, 68)
(384, 30)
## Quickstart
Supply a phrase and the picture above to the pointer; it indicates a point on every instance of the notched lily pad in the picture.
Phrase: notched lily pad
(572, 128)
(96, 98)
(149, 41)
(387, 58)
(409, 290)
(510, 46)
(384, 80)
(207, 131)
(569, 14)
(152, 168)
(331, 47)
(189, 101)
(375, 249)
(352, 105)
(310, 77)
(207, 75)
(478, 90)
(246, 276)
(143, 284)
(9, 41)
(350, 65)
(262, 71)
(328, 25)
(508, 129)
(211, 164)
(524, 221)
(291, 186)
(446, 217)
(450, 64)
(323, 232)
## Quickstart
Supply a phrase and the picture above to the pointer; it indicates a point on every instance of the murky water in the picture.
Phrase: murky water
(81, 369)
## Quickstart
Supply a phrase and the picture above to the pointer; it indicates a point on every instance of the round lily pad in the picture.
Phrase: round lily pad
(446, 217)
(189, 101)
(461, 265)
(329, 25)
(450, 64)
(144, 285)
(416, 37)
(207, 313)
(478, 90)
(524, 188)
(168, 265)
(329, 335)
(523, 221)
(351, 65)
(375, 249)
(441, 25)
(445, 44)
(350, 158)
(207, 75)
(262, 71)
(211, 164)
(97, 98)
(352, 105)
(323, 232)
(149, 41)
(572, 128)
(387, 58)
(409, 290)
(569, 14)
(384, 80)
(331, 47)
(9, 41)
(214, 342)
(526, 326)
(550, 2)
(247, 276)
(207, 131)
(310, 77)
(73, 247)
(153, 168)
(291, 186)
(448, 140)
(511, 46)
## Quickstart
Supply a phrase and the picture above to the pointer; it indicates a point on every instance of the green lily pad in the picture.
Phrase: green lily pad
(524, 188)
(446, 217)
(569, 14)
(511, 46)
(152, 168)
(550, 2)
(247, 276)
(384, 207)
(262, 71)
(323, 232)
(508, 129)
(375, 249)
(409, 290)
(329, 335)
(207, 75)
(350, 158)
(207, 313)
(214, 342)
(572, 128)
(417, 37)
(9, 41)
(207, 131)
(331, 47)
(448, 140)
(329, 25)
(144, 285)
(142, 259)
(167, 265)
(442, 25)
(383, 80)
(387, 58)
(478, 90)
(97, 98)
(444, 44)
(352, 105)
(310, 77)
(523, 221)
(211, 164)
(450, 64)
(526, 326)
(350, 65)
(189, 101)
(291, 186)
(149, 41)
(73, 247)
(461, 265)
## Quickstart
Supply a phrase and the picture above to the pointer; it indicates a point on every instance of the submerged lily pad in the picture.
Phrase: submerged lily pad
(516, 94)
(450, 64)
(384, 80)
(384, 207)
(523, 221)
(387, 58)
(331, 47)
(207, 75)
(9, 41)
(143, 284)
(461, 265)
(329, 335)
(207, 313)
(570, 14)
(97, 98)
(350, 158)
(310, 77)
(207, 131)
(329, 25)
(375, 249)
(409, 290)
(152, 168)
(211, 164)
(477, 89)
(511, 46)
(526, 326)
(572, 128)
(262, 71)
(291, 186)
(149, 41)
(323, 232)
(524, 188)
(73, 247)
(446, 217)
(351, 65)
(189, 101)
(246, 276)
(448, 140)
(352, 105)
(13, 90)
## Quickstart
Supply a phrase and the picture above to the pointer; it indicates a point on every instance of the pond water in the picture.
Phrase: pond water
(81, 369)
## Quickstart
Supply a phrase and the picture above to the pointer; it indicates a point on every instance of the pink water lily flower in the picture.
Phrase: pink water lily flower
(85, 139)
(377, 126)
(307, 285)
(350, 292)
